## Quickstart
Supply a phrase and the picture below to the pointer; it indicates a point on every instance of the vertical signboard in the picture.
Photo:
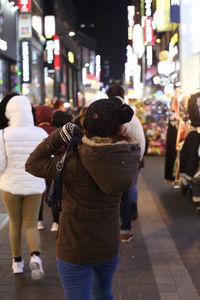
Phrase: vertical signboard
(56, 52)
(24, 6)
(26, 61)
(175, 11)
(148, 30)
(163, 16)
(25, 26)
(49, 54)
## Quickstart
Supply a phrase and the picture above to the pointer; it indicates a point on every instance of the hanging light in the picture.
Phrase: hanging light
(72, 33)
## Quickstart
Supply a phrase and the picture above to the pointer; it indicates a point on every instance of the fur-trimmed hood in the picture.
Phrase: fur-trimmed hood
(112, 165)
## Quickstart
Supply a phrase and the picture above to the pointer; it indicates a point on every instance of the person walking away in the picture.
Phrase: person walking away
(43, 116)
(21, 192)
(101, 167)
(129, 208)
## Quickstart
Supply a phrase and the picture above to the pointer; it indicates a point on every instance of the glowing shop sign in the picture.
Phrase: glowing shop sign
(56, 52)
(149, 55)
(3, 45)
(148, 31)
(49, 26)
(24, 6)
(50, 54)
(131, 13)
(26, 62)
(98, 66)
(148, 10)
(130, 33)
(70, 55)
(174, 39)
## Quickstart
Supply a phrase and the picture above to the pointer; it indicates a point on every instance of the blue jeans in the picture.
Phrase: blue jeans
(81, 281)
(125, 212)
(133, 193)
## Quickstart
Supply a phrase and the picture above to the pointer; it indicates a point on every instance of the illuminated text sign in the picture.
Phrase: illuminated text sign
(26, 61)
(3, 45)
(56, 52)
(24, 6)
(50, 54)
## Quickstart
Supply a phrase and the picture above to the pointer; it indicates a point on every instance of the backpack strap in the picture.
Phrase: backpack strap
(70, 146)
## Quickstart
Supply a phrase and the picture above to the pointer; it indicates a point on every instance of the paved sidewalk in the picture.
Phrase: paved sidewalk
(162, 262)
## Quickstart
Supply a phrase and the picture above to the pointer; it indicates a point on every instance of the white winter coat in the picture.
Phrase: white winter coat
(135, 131)
(17, 141)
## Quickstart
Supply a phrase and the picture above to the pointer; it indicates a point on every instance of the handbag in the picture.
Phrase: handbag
(53, 194)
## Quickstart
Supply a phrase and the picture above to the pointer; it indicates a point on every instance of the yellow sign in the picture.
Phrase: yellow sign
(174, 39)
(163, 55)
(130, 33)
(163, 16)
(70, 55)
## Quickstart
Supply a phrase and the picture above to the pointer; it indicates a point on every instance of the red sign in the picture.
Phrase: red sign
(24, 6)
(148, 31)
(56, 52)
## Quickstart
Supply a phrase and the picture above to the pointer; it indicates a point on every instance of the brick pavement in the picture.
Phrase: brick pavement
(161, 263)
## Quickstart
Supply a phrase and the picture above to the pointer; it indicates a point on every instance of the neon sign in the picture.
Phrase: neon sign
(24, 6)
(26, 61)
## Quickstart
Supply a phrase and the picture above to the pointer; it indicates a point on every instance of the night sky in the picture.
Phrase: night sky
(106, 21)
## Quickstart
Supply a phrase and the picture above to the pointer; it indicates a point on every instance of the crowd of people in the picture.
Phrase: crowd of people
(111, 145)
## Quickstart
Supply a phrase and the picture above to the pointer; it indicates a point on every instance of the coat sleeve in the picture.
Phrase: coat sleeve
(42, 162)
(3, 160)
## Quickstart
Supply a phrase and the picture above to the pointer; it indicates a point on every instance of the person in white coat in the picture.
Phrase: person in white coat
(21, 191)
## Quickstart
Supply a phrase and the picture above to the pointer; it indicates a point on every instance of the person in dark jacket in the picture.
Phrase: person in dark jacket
(102, 166)
(43, 116)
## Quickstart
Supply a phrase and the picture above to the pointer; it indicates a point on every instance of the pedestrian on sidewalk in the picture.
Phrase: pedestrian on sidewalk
(43, 116)
(21, 192)
(101, 167)
(128, 208)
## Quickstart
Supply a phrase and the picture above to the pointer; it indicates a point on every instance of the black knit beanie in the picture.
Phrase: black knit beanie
(104, 117)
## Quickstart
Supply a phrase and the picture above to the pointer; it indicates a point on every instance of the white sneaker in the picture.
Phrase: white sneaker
(17, 266)
(35, 265)
(54, 227)
(40, 225)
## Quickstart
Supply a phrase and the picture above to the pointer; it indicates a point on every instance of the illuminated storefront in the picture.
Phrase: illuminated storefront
(9, 76)
(31, 51)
